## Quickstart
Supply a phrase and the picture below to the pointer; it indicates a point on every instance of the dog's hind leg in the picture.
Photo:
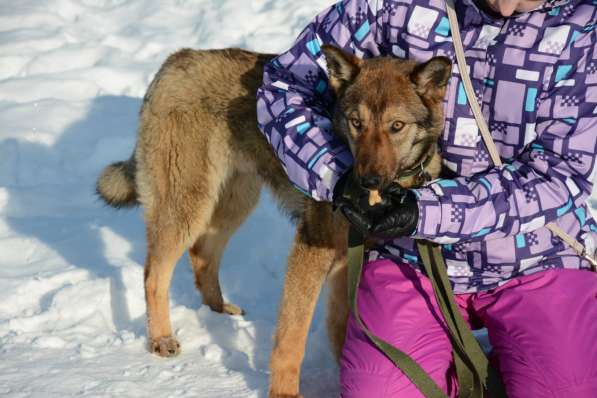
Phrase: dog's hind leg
(178, 186)
(165, 244)
(237, 200)
(205, 258)
(309, 263)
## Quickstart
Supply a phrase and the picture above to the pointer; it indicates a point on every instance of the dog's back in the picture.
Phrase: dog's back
(202, 101)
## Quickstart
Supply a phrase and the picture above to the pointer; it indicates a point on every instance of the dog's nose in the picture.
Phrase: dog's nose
(370, 181)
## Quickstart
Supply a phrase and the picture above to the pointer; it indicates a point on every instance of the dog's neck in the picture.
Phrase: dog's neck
(418, 170)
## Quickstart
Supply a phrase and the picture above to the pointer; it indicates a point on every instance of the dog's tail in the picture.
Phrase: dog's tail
(116, 184)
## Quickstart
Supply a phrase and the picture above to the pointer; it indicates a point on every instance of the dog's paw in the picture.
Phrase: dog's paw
(232, 309)
(166, 346)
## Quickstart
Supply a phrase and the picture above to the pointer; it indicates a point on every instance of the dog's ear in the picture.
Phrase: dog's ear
(343, 68)
(430, 78)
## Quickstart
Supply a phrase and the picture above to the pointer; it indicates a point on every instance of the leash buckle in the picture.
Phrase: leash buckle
(425, 176)
(590, 259)
(422, 176)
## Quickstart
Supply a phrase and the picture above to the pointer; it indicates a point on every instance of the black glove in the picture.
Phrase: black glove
(353, 201)
(398, 216)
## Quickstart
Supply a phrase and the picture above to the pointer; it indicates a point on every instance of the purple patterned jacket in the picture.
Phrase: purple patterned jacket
(535, 76)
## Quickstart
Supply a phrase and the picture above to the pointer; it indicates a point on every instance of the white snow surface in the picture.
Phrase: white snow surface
(72, 323)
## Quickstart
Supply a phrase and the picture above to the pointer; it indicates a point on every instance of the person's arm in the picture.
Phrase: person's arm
(294, 102)
(552, 177)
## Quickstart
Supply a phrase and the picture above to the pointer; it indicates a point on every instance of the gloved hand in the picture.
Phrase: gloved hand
(398, 216)
(353, 201)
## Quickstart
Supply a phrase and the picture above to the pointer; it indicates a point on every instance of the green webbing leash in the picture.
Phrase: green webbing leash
(470, 360)
(472, 367)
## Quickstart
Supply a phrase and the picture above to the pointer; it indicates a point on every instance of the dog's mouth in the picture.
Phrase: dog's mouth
(376, 184)
(407, 171)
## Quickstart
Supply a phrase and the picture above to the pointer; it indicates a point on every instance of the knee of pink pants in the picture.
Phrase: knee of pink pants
(543, 330)
(396, 305)
(542, 327)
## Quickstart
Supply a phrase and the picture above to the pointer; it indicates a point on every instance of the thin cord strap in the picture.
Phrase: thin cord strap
(484, 129)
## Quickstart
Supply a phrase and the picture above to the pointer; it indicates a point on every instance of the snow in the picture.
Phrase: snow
(72, 323)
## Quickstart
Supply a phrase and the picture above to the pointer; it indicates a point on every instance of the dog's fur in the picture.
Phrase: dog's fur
(200, 162)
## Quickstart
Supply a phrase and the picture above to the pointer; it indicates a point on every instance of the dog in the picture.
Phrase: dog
(200, 162)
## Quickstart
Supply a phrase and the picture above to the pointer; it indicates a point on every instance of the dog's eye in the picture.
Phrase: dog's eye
(356, 122)
(397, 126)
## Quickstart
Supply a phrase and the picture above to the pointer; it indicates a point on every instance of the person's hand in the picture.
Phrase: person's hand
(353, 201)
(398, 216)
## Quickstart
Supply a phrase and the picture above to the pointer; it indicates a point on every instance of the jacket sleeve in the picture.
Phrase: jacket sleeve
(552, 177)
(294, 103)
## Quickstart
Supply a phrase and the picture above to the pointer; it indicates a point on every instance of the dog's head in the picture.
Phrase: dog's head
(388, 110)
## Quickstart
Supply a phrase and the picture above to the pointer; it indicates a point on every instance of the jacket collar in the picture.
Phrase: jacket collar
(471, 14)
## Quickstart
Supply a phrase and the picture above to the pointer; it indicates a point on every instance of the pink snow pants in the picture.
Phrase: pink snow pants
(542, 329)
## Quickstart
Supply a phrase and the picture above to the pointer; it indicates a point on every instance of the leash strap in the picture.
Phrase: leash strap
(405, 363)
(485, 133)
(472, 367)
(470, 360)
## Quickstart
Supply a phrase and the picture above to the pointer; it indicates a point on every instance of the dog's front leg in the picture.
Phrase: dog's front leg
(338, 305)
(308, 266)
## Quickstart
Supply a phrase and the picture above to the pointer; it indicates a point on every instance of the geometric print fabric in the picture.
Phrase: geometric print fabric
(535, 77)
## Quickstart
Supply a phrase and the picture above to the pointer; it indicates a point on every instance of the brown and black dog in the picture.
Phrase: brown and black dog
(200, 163)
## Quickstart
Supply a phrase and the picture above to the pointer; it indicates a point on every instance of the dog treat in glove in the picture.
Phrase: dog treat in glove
(374, 197)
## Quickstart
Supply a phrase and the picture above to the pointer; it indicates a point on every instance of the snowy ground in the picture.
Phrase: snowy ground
(72, 74)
